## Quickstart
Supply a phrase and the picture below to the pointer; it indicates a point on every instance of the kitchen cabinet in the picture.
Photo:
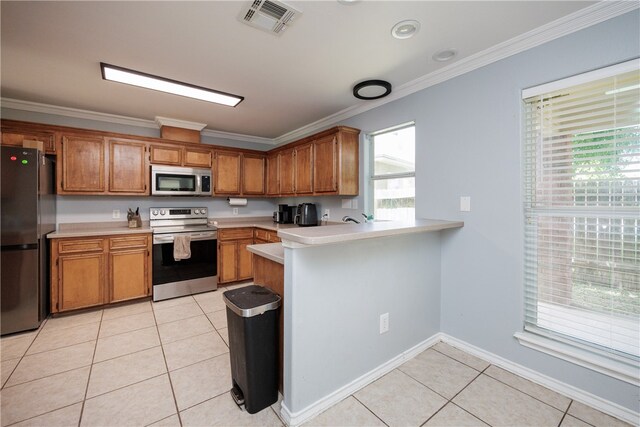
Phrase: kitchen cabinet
(128, 171)
(337, 162)
(261, 235)
(78, 273)
(176, 155)
(129, 267)
(253, 174)
(304, 169)
(272, 178)
(286, 172)
(17, 136)
(93, 271)
(235, 262)
(81, 165)
(227, 173)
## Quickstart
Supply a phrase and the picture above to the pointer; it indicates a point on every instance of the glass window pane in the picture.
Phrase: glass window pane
(395, 152)
(394, 199)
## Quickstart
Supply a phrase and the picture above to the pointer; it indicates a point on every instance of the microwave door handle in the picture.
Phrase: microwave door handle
(198, 184)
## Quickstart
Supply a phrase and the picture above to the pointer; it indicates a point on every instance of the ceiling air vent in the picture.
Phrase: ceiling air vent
(268, 15)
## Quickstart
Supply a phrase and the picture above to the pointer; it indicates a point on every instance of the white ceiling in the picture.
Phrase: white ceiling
(51, 52)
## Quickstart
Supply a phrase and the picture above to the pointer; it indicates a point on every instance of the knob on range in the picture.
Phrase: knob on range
(162, 212)
(154, 212)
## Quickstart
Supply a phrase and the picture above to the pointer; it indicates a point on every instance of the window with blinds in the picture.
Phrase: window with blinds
(582, 211)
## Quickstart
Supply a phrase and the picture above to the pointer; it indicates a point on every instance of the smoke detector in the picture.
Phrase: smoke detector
(272, 16)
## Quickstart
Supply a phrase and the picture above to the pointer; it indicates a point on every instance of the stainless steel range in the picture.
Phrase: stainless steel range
(199, 272)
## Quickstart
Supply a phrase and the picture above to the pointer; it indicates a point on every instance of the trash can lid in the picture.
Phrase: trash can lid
(251, 300)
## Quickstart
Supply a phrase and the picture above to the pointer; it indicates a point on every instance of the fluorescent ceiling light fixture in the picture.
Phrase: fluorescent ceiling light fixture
(148, 81)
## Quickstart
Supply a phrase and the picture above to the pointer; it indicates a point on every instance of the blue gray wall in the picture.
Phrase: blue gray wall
(468, 143)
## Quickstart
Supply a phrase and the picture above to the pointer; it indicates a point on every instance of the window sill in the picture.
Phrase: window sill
(617, 367)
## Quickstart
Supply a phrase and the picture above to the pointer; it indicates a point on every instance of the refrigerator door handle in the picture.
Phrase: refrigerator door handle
(25, 247)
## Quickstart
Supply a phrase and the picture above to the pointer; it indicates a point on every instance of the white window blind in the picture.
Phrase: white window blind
(582, 213)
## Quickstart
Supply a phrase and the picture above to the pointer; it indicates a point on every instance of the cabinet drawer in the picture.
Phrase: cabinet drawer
(76, 246)
(235, 233)
(127, 242)
(261, 234)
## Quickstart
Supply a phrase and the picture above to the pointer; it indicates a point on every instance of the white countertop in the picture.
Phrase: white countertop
(272, 251)
(308, 236)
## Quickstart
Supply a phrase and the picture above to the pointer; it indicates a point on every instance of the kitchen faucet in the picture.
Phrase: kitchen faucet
(347, 218)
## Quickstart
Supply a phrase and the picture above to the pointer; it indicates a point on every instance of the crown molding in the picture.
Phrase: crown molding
(571, 23)
(36, 107)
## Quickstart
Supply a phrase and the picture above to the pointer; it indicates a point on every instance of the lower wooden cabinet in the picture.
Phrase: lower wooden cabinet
(88, 272)
(235, 262)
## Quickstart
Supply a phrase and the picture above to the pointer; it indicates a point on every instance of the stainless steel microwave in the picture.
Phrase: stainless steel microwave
(177, 181)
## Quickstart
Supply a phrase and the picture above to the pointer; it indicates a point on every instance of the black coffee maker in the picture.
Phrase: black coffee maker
(284, 214)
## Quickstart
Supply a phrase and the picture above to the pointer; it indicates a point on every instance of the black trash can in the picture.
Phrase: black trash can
(252, 317)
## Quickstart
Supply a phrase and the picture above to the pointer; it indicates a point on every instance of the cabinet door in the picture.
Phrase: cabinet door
(81, 281)
(127, 167)
(325, 165)
(83, 168)
(253, 174)
(273, 186)
(286, 172)
(197, 158)
(129, 274)
(304, 169)
(18, 137)
(166, 155)
(227, 260)
(245, 260)
(227, 173)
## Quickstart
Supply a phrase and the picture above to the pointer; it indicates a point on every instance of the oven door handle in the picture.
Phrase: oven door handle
(211, 235)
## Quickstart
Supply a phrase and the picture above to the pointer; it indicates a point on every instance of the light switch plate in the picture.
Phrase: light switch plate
(346, 203)
(465, 204)
(115, 214)
(354, 204)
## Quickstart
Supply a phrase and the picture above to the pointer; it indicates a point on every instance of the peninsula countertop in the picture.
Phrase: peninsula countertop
(309, 236)
(271, 251)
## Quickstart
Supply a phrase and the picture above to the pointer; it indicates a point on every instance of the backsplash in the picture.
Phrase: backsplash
(73, 209)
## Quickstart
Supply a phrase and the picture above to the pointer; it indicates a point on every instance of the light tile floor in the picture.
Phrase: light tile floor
(167, 364)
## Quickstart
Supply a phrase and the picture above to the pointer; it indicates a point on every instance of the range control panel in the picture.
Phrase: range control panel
(177, 213)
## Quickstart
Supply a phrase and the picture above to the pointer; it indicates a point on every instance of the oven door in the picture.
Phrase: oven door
(196, 274)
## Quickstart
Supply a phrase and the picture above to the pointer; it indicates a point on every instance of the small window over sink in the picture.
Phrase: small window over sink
(393, 170)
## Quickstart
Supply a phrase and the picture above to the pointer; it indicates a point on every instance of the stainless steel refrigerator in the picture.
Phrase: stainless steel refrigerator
(28, 210)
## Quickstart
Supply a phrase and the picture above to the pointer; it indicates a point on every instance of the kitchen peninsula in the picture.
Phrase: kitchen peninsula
(339, 282)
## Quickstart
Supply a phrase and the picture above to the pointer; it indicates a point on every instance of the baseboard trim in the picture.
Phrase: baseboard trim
(570, 391)
(297, 418)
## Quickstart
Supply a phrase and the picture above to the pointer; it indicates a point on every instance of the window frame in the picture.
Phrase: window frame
(622, 367)
(372, 178)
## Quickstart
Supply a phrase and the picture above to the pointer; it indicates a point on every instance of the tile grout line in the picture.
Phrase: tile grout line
(508, 385)
(86, 389)
(367, 408)
(455, 395)
(164, 357)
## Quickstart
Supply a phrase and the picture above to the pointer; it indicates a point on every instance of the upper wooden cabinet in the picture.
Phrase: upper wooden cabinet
(336, 163)
(304, 169)
(326, 163)
(14, 135)
(253, 174)
(82, 165)
(128, 171)
(273, 177)
(238, 173)
(227, 172)
(286, 172)
(176, 155)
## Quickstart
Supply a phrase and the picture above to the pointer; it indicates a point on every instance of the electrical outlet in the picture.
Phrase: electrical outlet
(235, 211)
(384, 323)
(327, 212)
(115, 214)
(465, 204)
(346, 203)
